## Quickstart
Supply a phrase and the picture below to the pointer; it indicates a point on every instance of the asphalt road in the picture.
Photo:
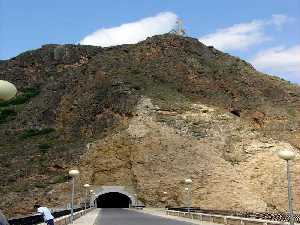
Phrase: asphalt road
(128, 217)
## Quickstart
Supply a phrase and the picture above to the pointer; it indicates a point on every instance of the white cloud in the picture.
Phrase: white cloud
(243, 35)
(280, 60)
(131, 33)
(279, 20)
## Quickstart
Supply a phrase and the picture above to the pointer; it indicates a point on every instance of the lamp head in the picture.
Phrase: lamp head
(188, 181)
(286, 154)
(86, 185)
(74, 173)
(7, 90)
(186, 189)
(165, 192)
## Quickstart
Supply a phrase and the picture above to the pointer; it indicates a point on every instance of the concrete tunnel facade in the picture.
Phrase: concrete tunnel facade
(114, 197)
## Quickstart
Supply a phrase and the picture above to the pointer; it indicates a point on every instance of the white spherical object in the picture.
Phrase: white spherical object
(86, 185)
(7, 90)
(73, 173)
(188, 181)
(286, 154)
(186, 189)
(165, 192)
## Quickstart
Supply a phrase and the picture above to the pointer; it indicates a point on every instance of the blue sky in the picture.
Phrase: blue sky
(264, 32)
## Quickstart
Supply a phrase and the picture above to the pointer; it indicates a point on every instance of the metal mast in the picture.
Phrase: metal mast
(180, 30)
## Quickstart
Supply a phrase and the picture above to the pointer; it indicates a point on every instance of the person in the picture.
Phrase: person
(45, 212)
(3, 220)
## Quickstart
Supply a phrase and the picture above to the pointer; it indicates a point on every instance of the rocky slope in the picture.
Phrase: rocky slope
(155, 112)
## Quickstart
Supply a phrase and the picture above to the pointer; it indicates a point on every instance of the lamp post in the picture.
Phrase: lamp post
(187, 191)
(73, 174)
(189, 182)
(7, 90)
(136, 199)
(288, 155)
(92, 193)
(165, 195)
(86, 186)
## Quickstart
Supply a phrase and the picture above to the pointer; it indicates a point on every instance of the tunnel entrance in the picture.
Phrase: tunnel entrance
(113, 200)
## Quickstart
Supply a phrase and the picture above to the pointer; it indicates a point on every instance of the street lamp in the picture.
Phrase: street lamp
(189, 182)
(7, 90)
(86, 186)
(288, 155)
(92, 193)
(95, 199)
(136, 200)
(73, 174)
(165, 195)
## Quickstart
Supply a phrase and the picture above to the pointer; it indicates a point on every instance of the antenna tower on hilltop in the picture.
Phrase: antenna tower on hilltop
(179, 30)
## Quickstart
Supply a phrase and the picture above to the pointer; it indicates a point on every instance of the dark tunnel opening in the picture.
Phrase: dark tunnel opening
(113, 200)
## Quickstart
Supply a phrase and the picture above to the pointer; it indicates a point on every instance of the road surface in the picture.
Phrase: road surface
(130, 217)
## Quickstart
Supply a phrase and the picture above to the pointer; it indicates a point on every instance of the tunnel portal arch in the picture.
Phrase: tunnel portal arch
(120, 194)
(113, 200)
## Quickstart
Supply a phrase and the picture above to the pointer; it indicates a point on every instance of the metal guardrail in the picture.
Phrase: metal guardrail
(138, 206)
(280, 216)
(36, 219)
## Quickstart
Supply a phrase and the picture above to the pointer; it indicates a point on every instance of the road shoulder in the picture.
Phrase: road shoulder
(161, 213)
(90, 218)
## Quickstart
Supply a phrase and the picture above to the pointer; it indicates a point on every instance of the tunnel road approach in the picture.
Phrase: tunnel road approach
(110, 216)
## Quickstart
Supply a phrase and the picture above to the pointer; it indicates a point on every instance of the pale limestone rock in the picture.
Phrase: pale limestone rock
(233, 167)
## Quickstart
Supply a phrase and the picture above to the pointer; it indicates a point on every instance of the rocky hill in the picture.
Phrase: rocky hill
(156, 112)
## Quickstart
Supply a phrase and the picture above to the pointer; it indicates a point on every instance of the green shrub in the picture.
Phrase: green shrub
(40, 185)
(60, 179)
(292, 112)
(6, 114)
(35, 132)
(44, 147)
(135, 71)
(31, 92)
(18, 100)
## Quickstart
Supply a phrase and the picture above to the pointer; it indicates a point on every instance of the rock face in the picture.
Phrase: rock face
(155, 113)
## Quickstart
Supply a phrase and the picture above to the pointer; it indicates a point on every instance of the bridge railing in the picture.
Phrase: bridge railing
(37, 219)
(138, 206)
(233, 217)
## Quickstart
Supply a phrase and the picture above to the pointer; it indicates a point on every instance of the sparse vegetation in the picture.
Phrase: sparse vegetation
(40, 184)
(24, 97)
(98, 100)
(44, 148)
(35, 132)
(60, 179)
(292, 112)
(7, 114)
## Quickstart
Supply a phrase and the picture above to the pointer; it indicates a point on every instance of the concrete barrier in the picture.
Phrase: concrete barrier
(221, 219)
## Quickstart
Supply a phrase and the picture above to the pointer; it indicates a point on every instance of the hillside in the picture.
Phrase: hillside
(155, 112)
